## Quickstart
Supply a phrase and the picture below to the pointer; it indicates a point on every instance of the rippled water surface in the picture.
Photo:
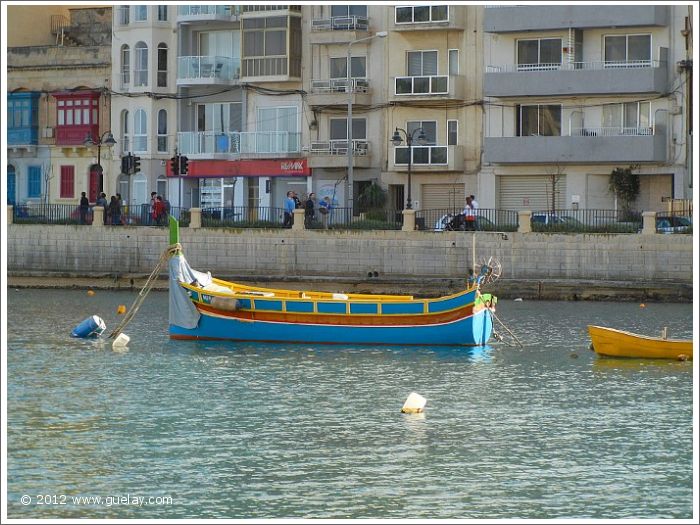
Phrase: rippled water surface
(260, 431)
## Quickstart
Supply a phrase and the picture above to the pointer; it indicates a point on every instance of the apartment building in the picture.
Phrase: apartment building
(573, 92)
(144, 105)
(58, 82)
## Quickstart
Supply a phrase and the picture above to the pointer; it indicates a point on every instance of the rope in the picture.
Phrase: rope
(507, 329)
(170, 250)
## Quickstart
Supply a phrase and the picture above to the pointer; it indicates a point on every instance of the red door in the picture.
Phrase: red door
(95, 186)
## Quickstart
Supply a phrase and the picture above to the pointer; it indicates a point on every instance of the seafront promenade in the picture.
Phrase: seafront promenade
(535, 265)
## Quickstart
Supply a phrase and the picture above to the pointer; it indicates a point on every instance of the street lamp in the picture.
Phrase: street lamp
(349, 90)
(396, 140)
(109, 141)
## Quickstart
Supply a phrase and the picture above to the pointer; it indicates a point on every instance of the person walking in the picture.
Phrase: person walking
(84, 207)
(309, 211)
(289, 206)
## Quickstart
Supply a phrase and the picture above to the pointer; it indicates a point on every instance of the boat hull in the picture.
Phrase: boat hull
(617, 343)
(473, 330)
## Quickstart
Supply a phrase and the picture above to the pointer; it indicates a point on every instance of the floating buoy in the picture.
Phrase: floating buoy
(642, 305)
(121, 309)
(414, 404)
(121, 341)
(90, 327)
(90, 292)
(519, 299)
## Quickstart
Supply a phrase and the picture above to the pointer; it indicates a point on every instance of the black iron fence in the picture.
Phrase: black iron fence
(451, 219)
(243, 217)
(51, 214)
(586, 221)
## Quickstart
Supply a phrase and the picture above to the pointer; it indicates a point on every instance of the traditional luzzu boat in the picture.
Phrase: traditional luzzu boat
(617, 343)
(206, 308)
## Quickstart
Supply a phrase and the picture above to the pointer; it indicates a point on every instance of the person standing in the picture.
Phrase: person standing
(324, 208)
(309, 212)
(469, 215)
(152, 211)
(84, 207)
(289, 206)
(115, 211)
(297, 202)
(102, 201)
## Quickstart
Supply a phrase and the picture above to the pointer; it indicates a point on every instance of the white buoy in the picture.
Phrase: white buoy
(414, 404)
(518, 299)
(121, 341)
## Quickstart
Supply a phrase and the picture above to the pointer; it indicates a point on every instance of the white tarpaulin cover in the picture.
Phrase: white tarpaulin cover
(182, 312)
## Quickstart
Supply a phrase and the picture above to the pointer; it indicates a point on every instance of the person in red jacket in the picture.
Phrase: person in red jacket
(158, 214)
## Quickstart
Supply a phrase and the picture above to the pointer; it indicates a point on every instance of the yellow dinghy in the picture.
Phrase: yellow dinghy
(617, 343)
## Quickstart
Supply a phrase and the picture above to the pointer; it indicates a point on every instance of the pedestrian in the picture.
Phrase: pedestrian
(475, 205)
(309, 211)
(297, 202)
(84, 208)
(102, 201)
(289, 206)
(324, 208)
(153, 206)
(115, 211)
(469, 215)
(121, 208)
(159, 211)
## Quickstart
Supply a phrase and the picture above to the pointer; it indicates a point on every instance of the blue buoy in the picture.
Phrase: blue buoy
(90, 327)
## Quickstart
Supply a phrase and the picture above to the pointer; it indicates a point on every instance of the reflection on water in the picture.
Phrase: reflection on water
(302, 431)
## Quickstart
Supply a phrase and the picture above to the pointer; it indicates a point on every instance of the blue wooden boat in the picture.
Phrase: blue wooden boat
(206, 308)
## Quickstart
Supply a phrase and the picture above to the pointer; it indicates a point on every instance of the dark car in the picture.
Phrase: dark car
(673, 224)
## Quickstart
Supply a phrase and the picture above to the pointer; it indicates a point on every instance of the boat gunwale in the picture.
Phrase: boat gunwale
(636, 336)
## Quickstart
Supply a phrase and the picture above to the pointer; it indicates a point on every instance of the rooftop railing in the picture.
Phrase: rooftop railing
(571, 66)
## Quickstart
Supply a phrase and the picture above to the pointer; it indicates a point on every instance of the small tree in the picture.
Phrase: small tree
(372, 199)
(624, 184)
(554, 176)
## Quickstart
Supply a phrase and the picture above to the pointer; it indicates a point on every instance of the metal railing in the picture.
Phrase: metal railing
(339, 85)
(422, 155)
(208, 67)
(49, 214)
(452, 219)
(611, 131)
(340, 23)
(242, 217)
(360, 148)
(422, 85)
(238, 142)
(586, 221)
(205, 10)
(570, 66)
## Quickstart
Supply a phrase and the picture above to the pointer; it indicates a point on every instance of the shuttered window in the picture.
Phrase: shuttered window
(421, 63)
(530, 192)
(67, 182)
(442, 197)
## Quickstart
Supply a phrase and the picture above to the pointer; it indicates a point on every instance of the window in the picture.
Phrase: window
(77, 115)
(34, 182)
(220, 117)
(421, 14)
(140, 13)
(421, 63)
(124, 15)
(22, 118)
(140, 131)
(452, 126)
(346, 17)
(339, 129)
(67, 182)
(277, 129)
(453, 61)
(539, 120)
(126, 65)
(125, 131)
(162, 80)
(162, 13)
(141, 69)
(629, 118)
(11, 185)
(358, 67)
(538, 54)
(429, 128)
(628, 50)
(162, 131)
(348, 10)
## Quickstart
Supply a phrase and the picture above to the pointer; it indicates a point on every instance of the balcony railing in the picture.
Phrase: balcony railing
(341, 23)
(238, 142)
(570, 66)
(422, 155)
(422, 85)
(204, 10)
(339, 85)
(203, 68)
(339, 147)
(613, 131)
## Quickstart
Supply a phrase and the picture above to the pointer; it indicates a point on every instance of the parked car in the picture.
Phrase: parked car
(449, 222)
(546, 219)
(673, 224)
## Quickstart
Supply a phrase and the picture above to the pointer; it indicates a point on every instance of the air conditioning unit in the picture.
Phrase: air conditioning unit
(47, 132)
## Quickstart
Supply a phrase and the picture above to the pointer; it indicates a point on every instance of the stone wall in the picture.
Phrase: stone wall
(93, 251)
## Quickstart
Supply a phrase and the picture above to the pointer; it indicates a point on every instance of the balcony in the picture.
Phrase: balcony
(334, 29)
(428, 158)
(74, 135)
(208, 70)
(333, 92)
(577, 78)
(334, 154)
(584, 145)
(207, 13)
(25, 136)
(442, 86)
(507, 19)
(211, 144)
(426, 18)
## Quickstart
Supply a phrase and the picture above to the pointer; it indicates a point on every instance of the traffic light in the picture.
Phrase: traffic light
(126, 164)
(136, 164)
(183, 165)
(174, 165)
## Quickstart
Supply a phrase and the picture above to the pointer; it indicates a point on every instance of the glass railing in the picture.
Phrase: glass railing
(238, 142)
(341, 23)
(422, 85)
(423, 155)
(214, 68)
(338, 85)
(570, 66)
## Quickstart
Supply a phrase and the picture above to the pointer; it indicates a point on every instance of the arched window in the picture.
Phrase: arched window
(140, 131)
(141, 66)
(162, 65)
(126, 136)
(126, 65)
(162, 131)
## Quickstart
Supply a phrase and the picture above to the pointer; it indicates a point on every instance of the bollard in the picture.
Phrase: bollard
(195, 218)
(298, 220)
(648, 223)
(98, 216)
(524, 218)
(409, 220)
